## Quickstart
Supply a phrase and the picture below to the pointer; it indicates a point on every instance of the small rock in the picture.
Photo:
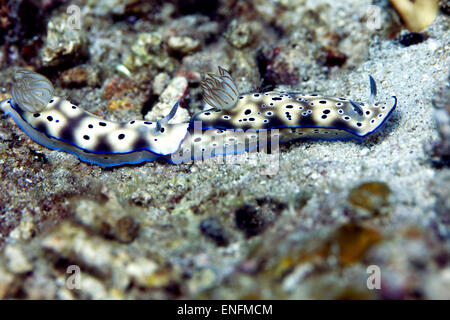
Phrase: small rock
(148, 51)
(417, 15)
(441, 149)
(412, 38)
(62, 43)
(141, 270)
(212, 229)
(17, 262)
(80, 76)
(160, 83)
(371, 196)
(445, 6)
(249, 221)
(126, 229)
(437, 285)
(239, 34)
(173, 93)
(354, 241)
(6, 282)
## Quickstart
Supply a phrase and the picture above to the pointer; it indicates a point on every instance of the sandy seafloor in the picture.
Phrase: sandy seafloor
(208, 230)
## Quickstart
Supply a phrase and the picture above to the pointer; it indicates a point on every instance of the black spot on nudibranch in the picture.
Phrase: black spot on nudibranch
(326, 111)
(277, 98)
(322, 102)
(247, 112)
(50, 118)
(121, 136)
(324, 116)
(146, 122)
(41, 127)
(67, 134)
(140, 144)
(36, 115)
(74, 107)
(288, 115)
(289, 106)
(102, 124)
(90, 126)
(132, 122)
(86, 137)
(103, 146)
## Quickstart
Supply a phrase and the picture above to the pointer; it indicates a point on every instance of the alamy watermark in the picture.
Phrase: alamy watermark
(233, 146)
(374, 278)
(74, 19)
(74, 280)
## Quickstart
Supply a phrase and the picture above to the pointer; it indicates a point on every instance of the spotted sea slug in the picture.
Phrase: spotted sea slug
(232, 123)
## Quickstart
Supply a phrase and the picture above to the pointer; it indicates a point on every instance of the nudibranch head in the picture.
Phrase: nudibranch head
(31, 91)
(219, 91)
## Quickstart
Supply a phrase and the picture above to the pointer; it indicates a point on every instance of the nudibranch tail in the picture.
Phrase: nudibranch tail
(31, 90)
(219, 91)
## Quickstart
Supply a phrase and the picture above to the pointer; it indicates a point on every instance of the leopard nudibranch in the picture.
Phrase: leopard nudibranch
(232, 124)
(58, 124)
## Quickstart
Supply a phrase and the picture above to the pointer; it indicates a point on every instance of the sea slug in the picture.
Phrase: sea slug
(233, 124)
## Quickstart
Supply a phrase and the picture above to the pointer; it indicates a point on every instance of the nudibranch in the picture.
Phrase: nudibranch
(58, 124)
(294, 113)
(232, 124)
